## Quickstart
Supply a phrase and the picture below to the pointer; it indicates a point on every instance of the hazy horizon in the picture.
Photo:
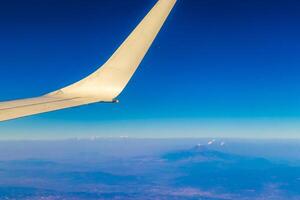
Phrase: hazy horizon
(177, 169)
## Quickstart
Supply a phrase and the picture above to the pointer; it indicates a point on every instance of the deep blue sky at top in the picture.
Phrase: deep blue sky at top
(212, 59)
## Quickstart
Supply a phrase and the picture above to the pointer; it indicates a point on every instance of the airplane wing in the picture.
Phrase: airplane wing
(105, 84)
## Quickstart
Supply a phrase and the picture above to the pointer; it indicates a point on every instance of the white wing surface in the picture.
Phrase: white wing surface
(105, 84)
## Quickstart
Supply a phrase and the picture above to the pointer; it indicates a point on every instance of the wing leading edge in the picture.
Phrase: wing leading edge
(105, 84)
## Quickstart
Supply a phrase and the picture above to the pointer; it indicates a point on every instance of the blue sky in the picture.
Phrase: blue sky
(215, 64)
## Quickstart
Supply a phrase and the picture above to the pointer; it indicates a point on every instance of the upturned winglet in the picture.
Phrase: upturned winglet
(105, 84)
